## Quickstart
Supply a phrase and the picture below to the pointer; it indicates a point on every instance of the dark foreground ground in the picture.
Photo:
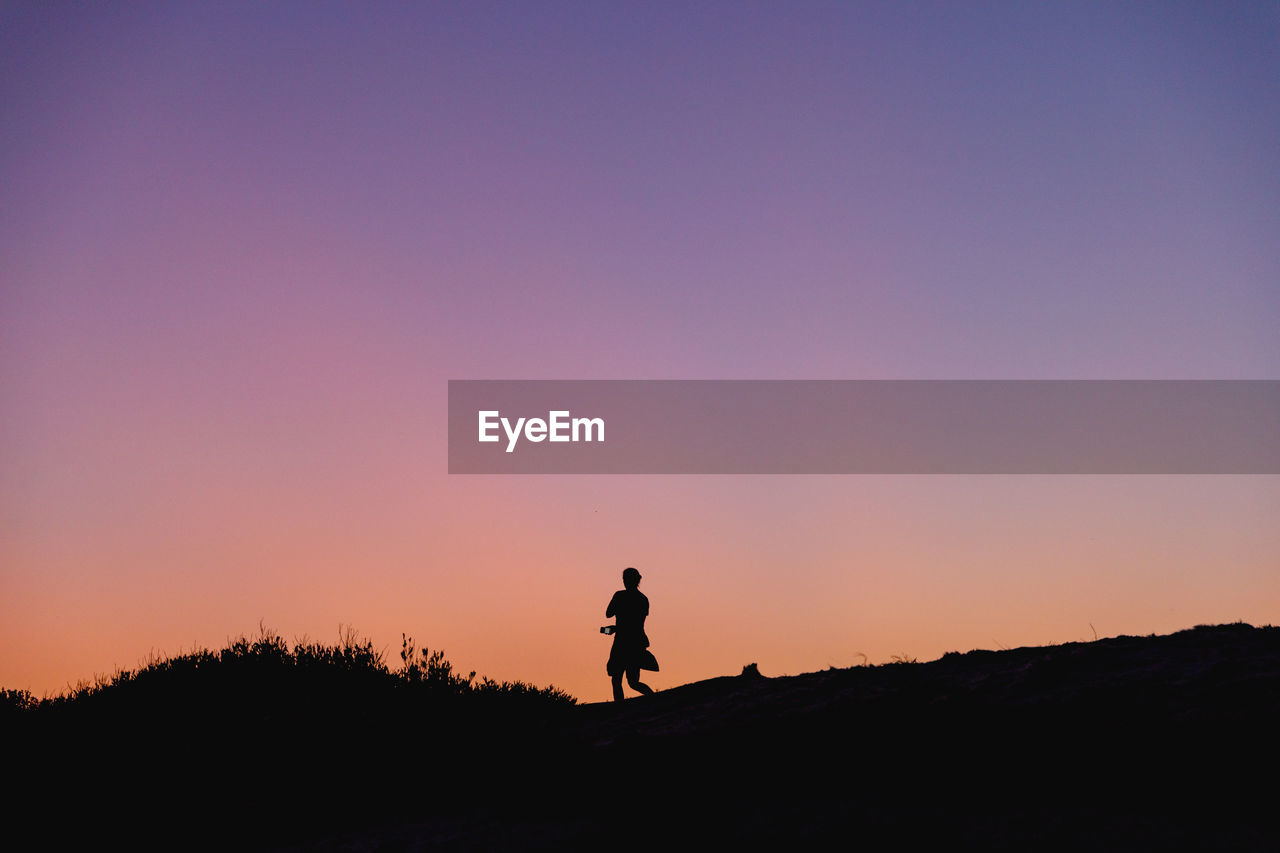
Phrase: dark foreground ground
(1130, 743)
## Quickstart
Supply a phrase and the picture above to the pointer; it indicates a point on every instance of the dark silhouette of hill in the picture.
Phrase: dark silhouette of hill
(1128, 743)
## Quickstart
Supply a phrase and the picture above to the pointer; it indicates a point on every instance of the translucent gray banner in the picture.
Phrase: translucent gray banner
(864, 427)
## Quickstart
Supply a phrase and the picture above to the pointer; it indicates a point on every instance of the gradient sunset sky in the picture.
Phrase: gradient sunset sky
(243, 248)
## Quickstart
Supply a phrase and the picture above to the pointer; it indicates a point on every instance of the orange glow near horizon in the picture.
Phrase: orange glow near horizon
(511, 578)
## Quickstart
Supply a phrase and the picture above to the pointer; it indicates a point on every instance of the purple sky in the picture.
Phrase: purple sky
(243, 247)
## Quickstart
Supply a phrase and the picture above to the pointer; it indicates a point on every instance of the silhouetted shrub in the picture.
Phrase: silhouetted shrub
(265, 669)
(12, 701)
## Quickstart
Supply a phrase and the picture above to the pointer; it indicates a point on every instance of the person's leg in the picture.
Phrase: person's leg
(617, 687)
(633, 679)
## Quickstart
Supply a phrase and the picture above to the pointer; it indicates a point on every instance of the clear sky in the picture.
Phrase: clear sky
(243, 247)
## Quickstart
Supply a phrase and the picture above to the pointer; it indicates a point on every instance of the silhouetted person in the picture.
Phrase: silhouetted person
(629, 607)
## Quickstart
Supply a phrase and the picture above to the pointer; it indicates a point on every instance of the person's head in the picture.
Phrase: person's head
(630, 578)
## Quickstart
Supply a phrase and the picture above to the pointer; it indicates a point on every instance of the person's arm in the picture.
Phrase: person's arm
(609, 610)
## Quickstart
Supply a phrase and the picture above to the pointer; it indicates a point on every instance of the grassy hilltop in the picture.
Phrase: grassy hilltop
(1121, 743)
